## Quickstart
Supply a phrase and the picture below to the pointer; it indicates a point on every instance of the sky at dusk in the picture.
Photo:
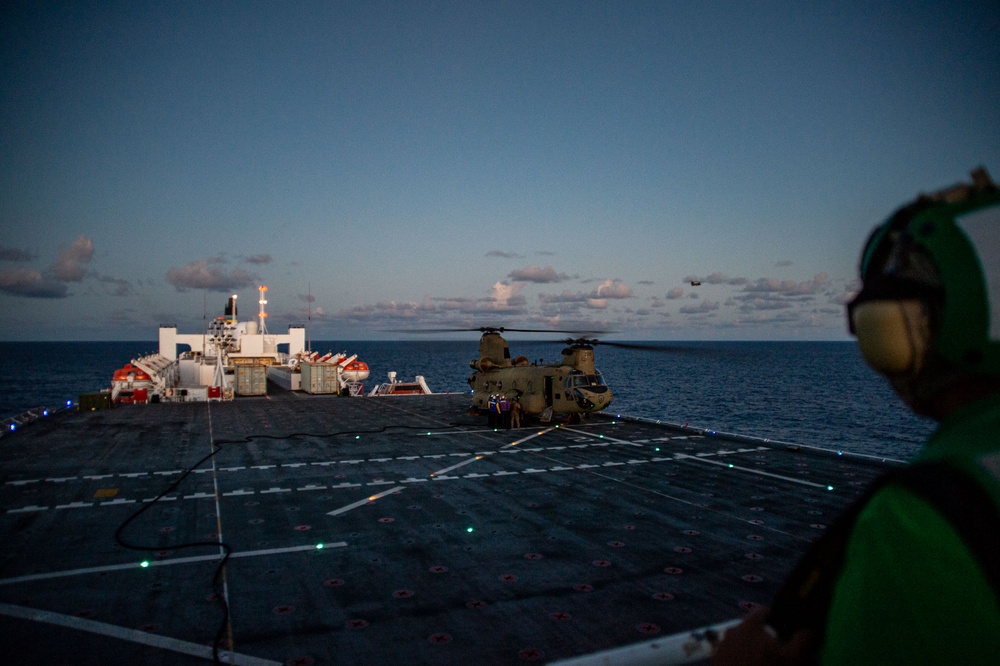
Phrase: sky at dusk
(386, 166)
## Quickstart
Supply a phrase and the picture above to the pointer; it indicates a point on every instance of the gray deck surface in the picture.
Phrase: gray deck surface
(481, 547)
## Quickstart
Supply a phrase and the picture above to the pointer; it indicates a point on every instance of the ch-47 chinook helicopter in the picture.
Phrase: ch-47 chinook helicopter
(572, 386)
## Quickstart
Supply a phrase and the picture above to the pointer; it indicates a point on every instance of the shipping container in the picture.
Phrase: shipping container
(251, 380)
(320, 378)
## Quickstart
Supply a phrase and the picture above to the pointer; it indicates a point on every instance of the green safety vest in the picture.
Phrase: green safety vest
(911, 573)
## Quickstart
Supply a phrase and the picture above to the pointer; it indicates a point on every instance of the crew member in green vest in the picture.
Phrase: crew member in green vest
(911, 575)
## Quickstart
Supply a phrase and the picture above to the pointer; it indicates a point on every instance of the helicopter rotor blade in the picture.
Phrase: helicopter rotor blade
(640, 346)
(493, 329)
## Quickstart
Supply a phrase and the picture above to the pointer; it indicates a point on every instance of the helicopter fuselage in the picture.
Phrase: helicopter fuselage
(538, 387)
(572, 386)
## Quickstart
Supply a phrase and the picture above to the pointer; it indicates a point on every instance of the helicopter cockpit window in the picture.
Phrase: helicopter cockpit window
(577, 380)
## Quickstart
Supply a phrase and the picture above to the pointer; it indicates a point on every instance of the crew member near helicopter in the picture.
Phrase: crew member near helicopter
(515, 413)
(493, 411)
(911, 573)
(504, 406)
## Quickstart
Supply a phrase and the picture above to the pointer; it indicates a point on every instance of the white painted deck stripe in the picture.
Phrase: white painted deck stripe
(367, 500)
(133, 635)
(684, 456)
(163, 563)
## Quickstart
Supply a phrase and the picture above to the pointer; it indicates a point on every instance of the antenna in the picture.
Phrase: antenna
(309, 320)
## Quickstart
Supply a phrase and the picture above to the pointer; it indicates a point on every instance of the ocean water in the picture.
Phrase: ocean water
(813, 393)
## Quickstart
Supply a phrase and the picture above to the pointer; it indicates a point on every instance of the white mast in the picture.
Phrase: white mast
(263, 315)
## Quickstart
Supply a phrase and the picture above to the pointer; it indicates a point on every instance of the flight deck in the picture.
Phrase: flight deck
(389, 530)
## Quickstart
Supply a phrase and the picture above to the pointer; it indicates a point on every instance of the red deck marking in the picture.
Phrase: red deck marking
(602, 563)
(751, 578)
(301, 661)
(682, 549)
(532, 556)
(357, 624)
(675, 571)
(560, 616)
(648, 628)
(387, 520)
(755, 537)
(530, 654)
(333, 582)
(749, 605)
(476, 604)
(283, 610)
(616, 544)
(438, 569)
(303, 528)
(754, 556)
(508, 578)
(584, 587)
(695, 532)
(403, 594)
(439, 639)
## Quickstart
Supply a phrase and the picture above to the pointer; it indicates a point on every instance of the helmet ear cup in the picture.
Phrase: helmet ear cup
(893, 335)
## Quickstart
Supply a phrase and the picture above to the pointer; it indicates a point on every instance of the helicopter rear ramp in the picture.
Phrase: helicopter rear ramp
(388, 531)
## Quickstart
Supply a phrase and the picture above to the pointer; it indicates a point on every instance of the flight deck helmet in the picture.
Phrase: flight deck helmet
(931, 275)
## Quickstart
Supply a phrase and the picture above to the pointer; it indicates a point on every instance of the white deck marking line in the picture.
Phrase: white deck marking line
(367, 500)
(684, 456)
(600, 436)
(133, 635)
(529, 437)
(461, 464)
(164, 563)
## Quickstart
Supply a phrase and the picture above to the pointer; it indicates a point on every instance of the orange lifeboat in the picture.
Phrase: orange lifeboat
(129, 384)
(356, 371)
(130, 375)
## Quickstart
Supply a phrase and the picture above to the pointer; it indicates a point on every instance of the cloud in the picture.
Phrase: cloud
(259, 259)
(772, 285)
(506, 295)
(208, 274)
(598, 299)
(503, 255)
(784, 264)
(613, 289)
(702, 307)
(675, 293)
(538, 274)
(30, 284)
(14, 254)
(716, 278)
(70, 265)
(119, 286)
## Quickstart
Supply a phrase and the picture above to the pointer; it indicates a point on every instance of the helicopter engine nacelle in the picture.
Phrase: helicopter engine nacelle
(485, 364)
